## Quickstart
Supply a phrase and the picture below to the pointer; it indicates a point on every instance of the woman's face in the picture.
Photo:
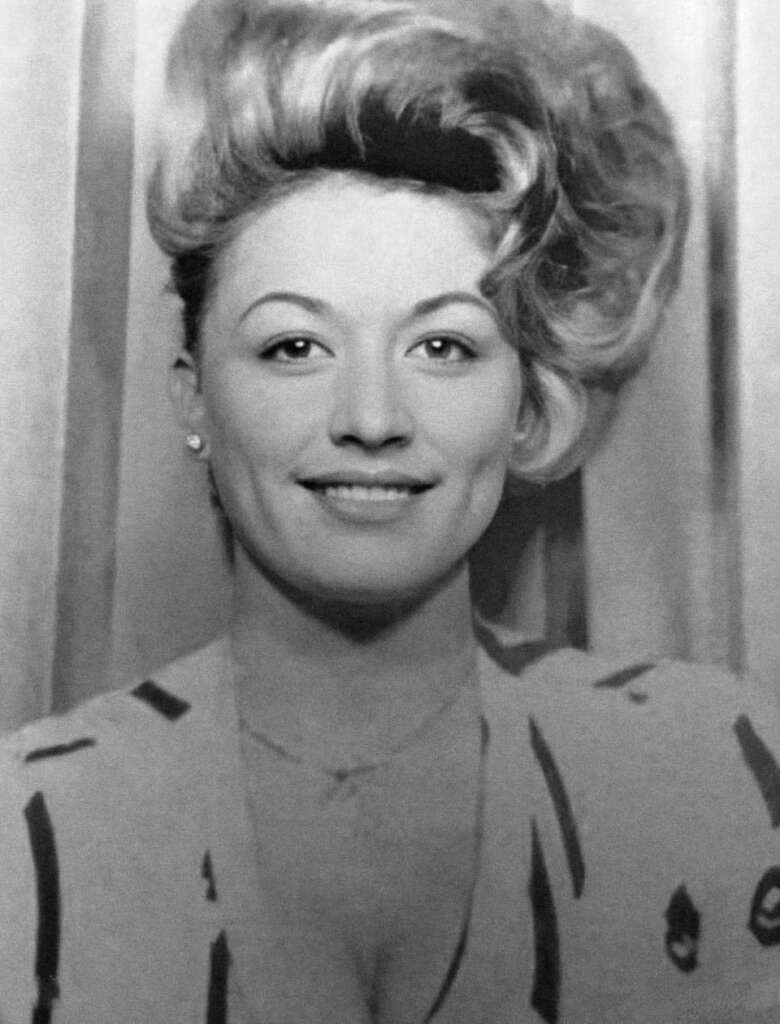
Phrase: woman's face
(358, 397)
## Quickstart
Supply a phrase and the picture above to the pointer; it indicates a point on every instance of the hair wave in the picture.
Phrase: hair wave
(538, 119)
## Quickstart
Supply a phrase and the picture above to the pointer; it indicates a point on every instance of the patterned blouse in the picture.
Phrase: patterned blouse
(629, 869)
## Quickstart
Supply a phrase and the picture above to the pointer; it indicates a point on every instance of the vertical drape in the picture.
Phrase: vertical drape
(681, 502)
(757, 382)
(660, 508)
(39, 72)
(172, 585)
(101, 273)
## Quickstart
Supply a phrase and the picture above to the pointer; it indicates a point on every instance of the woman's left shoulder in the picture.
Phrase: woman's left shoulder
(664, 704)
(688, 754)
(675, 734)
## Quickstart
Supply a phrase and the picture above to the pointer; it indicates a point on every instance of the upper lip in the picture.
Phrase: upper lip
(367, 478)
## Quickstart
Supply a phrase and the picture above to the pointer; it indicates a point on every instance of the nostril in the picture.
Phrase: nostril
(373, 442)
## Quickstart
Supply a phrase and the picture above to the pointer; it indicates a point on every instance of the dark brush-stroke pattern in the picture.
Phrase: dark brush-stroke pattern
(167, 704)
(764, 921)
(207, 874)
(43, 846)
(219, 967)
(637, 697)
(516, 658)
(683, 931)
(563, 809)
(624, 676)
(546, 992)
(762, 764)
(452, 970)
(59, 749)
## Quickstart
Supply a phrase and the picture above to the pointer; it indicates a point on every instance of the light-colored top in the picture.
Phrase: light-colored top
(629, 870)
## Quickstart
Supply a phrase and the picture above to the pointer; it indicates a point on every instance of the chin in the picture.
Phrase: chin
(378, 591)
(370, 594)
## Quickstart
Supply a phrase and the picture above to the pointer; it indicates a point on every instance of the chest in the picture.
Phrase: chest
(371, 876)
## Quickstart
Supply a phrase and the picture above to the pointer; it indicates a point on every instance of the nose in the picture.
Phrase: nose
(370, 408)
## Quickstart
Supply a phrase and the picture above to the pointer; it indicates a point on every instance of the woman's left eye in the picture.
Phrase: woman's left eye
(442, 348)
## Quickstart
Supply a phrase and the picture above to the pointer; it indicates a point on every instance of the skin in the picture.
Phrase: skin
(347, 334)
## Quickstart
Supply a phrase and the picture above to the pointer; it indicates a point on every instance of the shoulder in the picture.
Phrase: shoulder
(102, 811)
(168, 695)
(105, 750)
(676, 706)
(668, 732)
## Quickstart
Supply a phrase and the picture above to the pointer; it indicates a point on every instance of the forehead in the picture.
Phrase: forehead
(350, 241)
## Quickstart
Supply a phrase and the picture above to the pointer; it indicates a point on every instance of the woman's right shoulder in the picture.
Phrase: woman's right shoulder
(96, 826)
(49, 771)
(113, 732)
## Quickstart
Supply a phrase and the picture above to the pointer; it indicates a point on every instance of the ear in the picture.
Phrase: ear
(186, 395)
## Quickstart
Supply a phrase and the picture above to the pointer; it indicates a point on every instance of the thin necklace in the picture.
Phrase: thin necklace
(344, 772)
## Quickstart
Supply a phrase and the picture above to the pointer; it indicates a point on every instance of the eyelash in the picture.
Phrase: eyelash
(298, 348)
(275, 349)
(465, 351)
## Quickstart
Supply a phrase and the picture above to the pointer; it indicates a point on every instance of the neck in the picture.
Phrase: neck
(341, 685)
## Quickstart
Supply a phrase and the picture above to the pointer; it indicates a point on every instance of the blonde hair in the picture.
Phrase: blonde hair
(539, 120)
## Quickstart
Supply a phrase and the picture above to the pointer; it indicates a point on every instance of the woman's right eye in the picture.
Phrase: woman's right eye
(295, 349)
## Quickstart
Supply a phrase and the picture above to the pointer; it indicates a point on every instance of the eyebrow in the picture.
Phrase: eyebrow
(428, 306)
(307, 302)
(423, 308)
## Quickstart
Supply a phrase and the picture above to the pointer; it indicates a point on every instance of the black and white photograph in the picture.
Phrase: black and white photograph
(389, 535)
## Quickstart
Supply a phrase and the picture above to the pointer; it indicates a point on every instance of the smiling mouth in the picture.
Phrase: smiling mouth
(373, 493)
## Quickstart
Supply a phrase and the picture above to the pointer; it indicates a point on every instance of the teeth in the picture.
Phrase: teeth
(355, 492)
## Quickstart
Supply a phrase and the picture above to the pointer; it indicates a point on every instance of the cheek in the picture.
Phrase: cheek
(253, 426)
(483, 429)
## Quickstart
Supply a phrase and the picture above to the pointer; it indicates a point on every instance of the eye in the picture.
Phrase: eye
(442, 348)
(294, 349)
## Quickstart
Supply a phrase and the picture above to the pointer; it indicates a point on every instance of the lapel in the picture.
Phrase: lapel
(494, 977)
(262, 959)
(232, 907)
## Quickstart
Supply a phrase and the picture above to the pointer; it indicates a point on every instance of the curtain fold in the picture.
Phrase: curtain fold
(40, 44)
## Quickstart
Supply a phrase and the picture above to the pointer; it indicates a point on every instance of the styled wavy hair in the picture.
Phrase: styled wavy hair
(537, 119)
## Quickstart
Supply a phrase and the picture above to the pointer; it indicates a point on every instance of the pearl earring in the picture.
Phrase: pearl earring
(195, 443)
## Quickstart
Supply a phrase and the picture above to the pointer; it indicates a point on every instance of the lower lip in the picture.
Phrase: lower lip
(355, 509)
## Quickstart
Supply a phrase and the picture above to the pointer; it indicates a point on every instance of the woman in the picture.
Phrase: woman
(414, 254)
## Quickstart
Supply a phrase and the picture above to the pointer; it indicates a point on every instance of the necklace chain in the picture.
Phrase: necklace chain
(346, 771)
(340, 775)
